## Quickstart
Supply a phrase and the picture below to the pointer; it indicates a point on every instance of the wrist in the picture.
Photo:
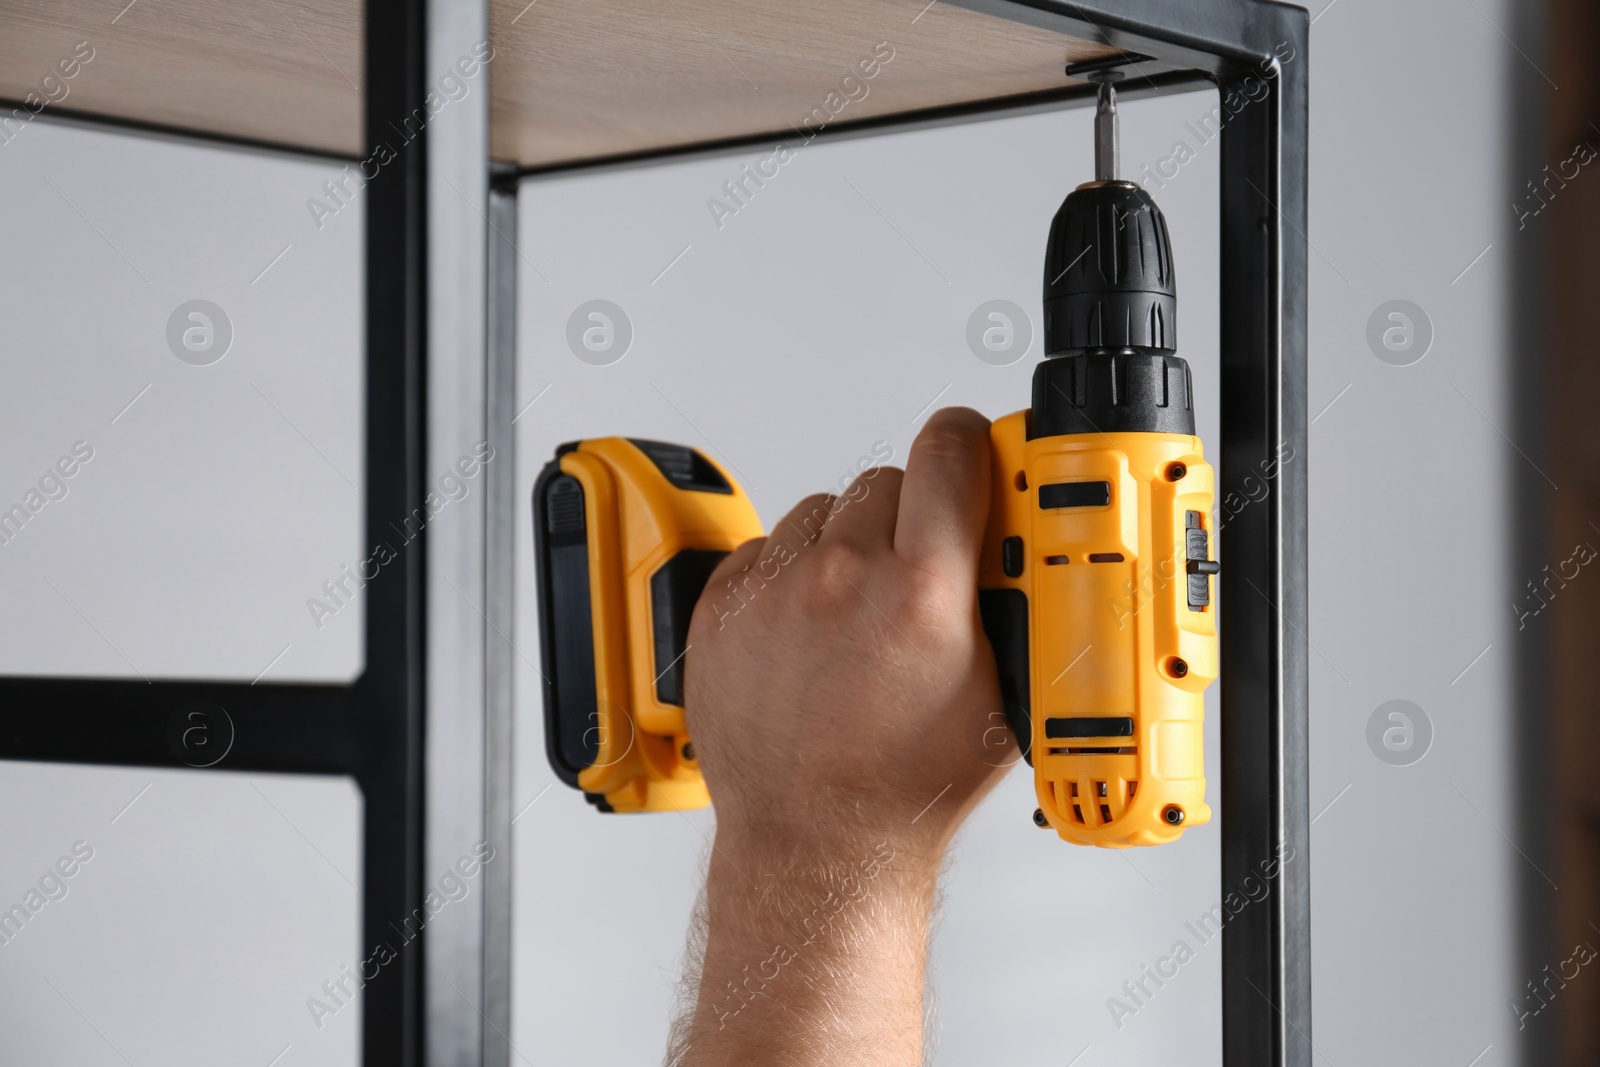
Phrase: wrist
(819, 845)
(770, 876)
(800, 936)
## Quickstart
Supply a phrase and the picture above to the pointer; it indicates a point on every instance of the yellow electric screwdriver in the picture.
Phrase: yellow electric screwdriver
(1095, 581)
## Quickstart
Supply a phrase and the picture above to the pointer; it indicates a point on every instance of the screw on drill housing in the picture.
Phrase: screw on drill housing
(1039, 820)
(1172, 814)
(688, 751)
(1176, 472)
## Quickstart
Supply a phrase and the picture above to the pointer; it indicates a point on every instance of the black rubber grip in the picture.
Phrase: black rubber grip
(1005, 621)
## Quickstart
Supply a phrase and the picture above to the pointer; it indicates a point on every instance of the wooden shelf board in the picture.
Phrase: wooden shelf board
(570, 80)
(278, 71)
(574, 81)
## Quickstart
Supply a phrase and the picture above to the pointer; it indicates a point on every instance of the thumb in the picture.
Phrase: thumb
(944, 498)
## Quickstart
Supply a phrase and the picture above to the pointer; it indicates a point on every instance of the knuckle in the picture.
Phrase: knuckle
(866, 481)
(806, 523)
(836, 575)
(872, 474)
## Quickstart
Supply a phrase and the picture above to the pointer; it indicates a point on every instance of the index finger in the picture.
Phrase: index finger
(944, 498)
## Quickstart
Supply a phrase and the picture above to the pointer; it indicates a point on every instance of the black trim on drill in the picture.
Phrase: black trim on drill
(684, 467)
(1112, 392)
(1198, 564)
(566, 623)
(1074, 495)
(1005, 621)
(1011, 557)
(674, 588)
(1109, 283)
(1086, 726)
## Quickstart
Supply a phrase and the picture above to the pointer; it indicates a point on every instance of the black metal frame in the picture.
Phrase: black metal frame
(373, 729)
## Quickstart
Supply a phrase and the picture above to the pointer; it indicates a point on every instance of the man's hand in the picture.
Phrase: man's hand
(835, 673)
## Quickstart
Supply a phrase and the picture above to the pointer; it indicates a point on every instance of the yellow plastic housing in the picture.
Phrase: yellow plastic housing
(638, 520)
(1111, 632)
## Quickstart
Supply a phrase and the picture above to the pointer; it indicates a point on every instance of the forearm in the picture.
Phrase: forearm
(829, 722)
(812, 958)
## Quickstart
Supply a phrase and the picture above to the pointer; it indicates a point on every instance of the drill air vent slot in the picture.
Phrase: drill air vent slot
(1074, 495)
(1065, 727)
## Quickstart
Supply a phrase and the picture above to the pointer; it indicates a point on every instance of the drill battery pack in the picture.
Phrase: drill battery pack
(626, 533)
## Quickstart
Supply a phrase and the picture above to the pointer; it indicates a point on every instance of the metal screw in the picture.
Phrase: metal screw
(1039, 820)
(1173, 814)
(1179, 667)
(688, 751)
(1176, 472)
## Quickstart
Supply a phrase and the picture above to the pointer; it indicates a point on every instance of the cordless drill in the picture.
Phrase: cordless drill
(1095, 582)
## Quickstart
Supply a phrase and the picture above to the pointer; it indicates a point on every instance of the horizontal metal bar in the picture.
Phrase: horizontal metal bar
(289, 728)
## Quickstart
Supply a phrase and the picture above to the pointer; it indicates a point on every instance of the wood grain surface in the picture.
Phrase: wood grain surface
(576, 80)
(282, 71)
(571, 80)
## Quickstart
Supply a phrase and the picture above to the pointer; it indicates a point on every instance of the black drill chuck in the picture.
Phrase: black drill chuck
(1110, 310)
(1108, 279)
